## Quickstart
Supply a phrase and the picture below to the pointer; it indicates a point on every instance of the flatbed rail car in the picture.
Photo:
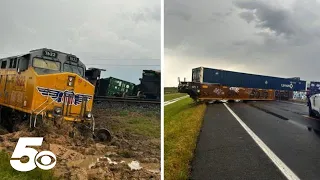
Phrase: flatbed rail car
(45, 82)
(208, 92)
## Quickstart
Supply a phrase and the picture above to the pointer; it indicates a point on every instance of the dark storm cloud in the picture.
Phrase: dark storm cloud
(96, 31)
(278, 38)
(270, 17)
(248, 16)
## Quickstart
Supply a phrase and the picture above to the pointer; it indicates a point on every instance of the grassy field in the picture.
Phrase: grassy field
(168, 97)
(182, 123)
(145, 123)
(8, 173)
(169, 90)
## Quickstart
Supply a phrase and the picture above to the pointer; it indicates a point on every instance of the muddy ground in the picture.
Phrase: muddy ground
(133, 153)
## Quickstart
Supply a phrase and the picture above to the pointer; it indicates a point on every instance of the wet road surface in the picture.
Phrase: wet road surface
(225, 150)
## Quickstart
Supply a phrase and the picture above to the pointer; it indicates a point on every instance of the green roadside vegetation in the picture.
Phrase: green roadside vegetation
(8, 173)
(182, 123)
(168, 97)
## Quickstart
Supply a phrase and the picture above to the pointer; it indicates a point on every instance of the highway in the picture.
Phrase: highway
(257, 140)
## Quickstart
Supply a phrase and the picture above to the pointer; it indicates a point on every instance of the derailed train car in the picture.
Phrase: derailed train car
(216, 84)
(150, 84)
(114, 87)
(239, 79)
(281, 88)
(207, 92)
(148, 88)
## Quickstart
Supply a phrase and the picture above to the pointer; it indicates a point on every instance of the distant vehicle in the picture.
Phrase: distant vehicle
(314, 105)
(314, 110)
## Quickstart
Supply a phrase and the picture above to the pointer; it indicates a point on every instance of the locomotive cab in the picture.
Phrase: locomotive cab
(48, 83)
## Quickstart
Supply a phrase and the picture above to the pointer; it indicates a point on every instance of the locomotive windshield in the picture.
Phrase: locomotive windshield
(73, 69)
(46, 64)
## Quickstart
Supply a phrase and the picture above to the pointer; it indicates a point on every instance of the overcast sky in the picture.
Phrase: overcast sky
(94, 31)
(270, 37)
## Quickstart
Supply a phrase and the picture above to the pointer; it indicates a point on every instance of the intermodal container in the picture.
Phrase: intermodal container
(114, 87)
(238, 79)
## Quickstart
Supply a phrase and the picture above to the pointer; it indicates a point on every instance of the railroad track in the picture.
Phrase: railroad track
(125, 100)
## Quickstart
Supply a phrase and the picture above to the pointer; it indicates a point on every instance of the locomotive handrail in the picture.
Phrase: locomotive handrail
(35, 118)
(35, 111)
(41, 104)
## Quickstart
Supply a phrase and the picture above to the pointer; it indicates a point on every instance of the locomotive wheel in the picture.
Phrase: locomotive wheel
(102, 135)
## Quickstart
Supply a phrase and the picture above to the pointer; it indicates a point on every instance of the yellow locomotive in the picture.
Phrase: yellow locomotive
(45, 82)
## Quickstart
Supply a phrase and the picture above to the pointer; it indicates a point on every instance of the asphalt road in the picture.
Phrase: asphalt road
(225, 150)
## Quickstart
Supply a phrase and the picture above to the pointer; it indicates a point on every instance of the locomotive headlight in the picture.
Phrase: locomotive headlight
(58, 110)
(70, 81)
(88, 115)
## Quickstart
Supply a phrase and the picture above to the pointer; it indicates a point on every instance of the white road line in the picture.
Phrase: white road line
(297, 124)
(174, 100)
(274, 158)
(300, 104)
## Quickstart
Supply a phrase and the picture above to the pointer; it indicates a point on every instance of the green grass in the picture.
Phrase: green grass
(145, 123)
(182, 123)
(168, 97)
(8, 173)
(144, 126)
(124, 113)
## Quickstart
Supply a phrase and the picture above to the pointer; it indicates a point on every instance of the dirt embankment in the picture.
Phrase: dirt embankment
(133, 153)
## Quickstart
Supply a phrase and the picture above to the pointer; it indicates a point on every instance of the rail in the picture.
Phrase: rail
(126, 100)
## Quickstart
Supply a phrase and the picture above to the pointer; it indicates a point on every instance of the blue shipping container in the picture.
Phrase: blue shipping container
(237, 79)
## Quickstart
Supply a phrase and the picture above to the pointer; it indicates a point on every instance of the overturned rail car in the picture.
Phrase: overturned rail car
(208, 92)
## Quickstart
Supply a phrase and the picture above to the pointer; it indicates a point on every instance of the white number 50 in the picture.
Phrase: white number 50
(22, 150)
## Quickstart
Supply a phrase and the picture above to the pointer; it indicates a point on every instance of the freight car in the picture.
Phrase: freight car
(45, 83)
(114, 87)
(211, 91)
(148, 88)
(237, 79)
(207, 92)
(150, 84)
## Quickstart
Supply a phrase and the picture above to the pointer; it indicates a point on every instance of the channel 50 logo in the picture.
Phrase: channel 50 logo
(21, 150)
